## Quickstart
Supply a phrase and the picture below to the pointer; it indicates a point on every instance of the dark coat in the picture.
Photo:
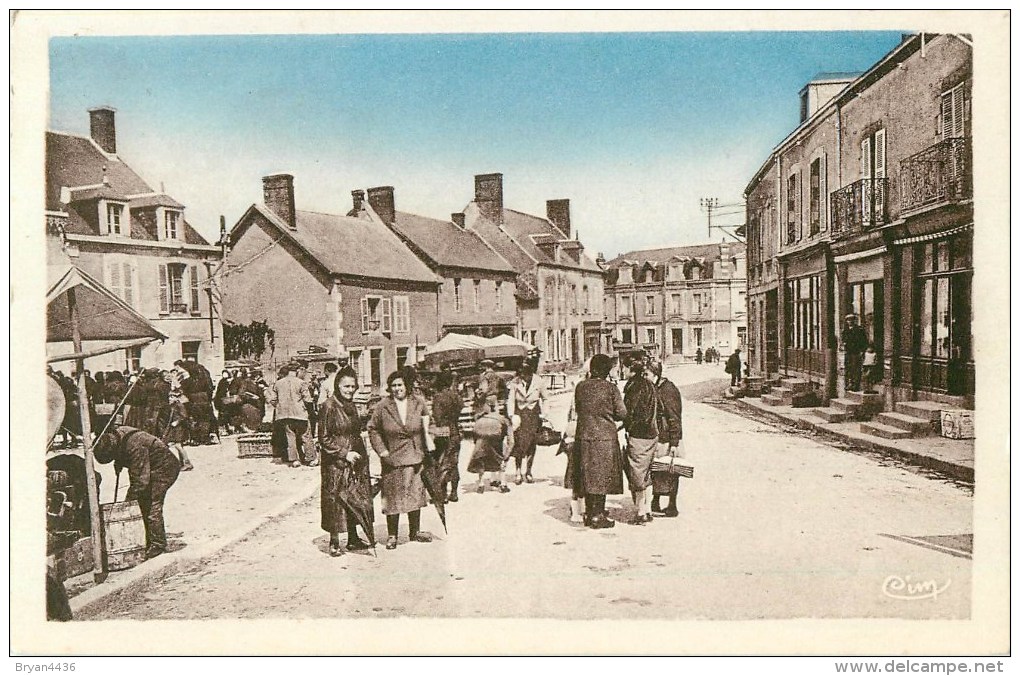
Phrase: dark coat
(150, 406)
(446, 408)
(671, 409)
(641, 400)
(148, 461)
(398, 444)
(599, 407)
(733, 364)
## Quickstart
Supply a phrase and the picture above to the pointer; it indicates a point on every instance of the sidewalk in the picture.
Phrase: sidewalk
(223, 500)
(953, 457)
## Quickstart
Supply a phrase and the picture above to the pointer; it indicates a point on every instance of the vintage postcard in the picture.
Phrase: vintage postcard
(510, 333)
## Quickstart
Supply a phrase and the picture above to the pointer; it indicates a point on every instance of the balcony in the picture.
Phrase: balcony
(859, 207)
(939, 174)
(178, 308)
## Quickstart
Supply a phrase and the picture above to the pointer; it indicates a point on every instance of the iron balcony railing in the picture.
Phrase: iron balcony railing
(859, 206)
(939, 174)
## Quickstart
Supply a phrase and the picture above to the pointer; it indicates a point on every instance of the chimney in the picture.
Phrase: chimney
(358, 199)
(103, 129)
(381, 201)
(458, 218)
(489, 196)
(601, 260)
(558, 213)
(278, 195)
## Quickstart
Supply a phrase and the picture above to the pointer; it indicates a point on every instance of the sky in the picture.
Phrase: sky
(633, 128)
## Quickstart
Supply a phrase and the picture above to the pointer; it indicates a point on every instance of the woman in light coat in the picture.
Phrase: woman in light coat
(397, 434)
(525, 400)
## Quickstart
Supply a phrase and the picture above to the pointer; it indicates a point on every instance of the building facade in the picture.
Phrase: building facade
(477, 292)
(343, 284)
(866, 209)
(108, 221)
(679, 300)
(559, 288)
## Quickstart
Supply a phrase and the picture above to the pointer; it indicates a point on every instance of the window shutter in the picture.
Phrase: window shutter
(959, 111)
(866, 158)
(364, 315)
(953, 107)
(879, 201)
(823, 195)
(405, 305)
(387, 315)
(128, 281)
(164, 290)
(194, 290)
(866, 204)
(114, 271)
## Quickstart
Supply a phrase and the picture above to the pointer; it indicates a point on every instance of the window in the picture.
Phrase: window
(697, 337)
(585, 300)
(170, 222)
(549, 296)
(792, 224)
(742, 337)
(695, 272)
(650, 335)
(402, 353)
(626, 276)
(133, 359)
(375, 366)
(376, 314)
(696, 303)
(572, 299)
(561, 345)
(624, 309)
(477, 298)
(944, 282)
(401, 314)
(815, 196)
(499, 296)
(804, 300)
(120, 279)
(189, 349)
(114, 216)
(674, 307)
(650, 306)
(534, 338)
(195, 309)
(741, 303)
(574, 343)
(626, 336)
(549, 347)
(954, 112)
(171, 288)
(458, 302)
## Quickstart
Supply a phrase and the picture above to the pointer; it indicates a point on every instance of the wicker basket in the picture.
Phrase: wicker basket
(259, 445)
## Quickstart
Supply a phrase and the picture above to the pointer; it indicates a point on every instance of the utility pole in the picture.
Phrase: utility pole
(710, 205)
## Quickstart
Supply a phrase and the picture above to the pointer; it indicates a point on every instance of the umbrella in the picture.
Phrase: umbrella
(432, 477)
(356, 496)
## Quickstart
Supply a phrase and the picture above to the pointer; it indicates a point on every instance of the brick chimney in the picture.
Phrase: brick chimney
(103, 129)
(381, 201)
(458, 219)
(358, 200)
(489, 196)
(278, 195)
(558, 213)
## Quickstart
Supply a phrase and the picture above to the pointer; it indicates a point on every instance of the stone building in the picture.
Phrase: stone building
(678, 300)
(346, 284)
(866, 208)
(559, 287)
(108, 221)
(477, 294)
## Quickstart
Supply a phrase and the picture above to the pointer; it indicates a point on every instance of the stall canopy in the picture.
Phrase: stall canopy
(506, 346)
(104, 320)
(463, 347)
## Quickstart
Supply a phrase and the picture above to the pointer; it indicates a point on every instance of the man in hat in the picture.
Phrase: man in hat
(491, 385)
(671, 433)
(733, 368)
(152, 470)
(855, 343)
(641, 400)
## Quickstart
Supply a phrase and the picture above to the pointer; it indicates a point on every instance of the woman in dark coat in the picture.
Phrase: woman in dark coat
(150, 404)
(397, 434)
(599, 407)
(346, 491)
(225, 409)
(446, 408)
(251, 406)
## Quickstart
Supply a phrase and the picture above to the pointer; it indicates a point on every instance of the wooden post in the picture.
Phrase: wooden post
(99, 571)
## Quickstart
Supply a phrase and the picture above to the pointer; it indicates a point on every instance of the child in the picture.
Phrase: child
(872, 371)
(494, 440)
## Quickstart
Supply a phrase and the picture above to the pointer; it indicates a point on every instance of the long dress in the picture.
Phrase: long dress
(525, 402)
(599, 408)
(492, 431)
(346, 488)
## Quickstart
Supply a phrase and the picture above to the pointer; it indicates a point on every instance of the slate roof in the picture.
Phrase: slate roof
(351, 246)
(447, 244)
(73, 161)
(709, 252)
(522, 226)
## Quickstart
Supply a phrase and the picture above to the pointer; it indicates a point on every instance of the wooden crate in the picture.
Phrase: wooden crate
(258, 445)
(74, 560)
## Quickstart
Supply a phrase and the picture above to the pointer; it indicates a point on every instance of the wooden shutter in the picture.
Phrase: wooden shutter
(401, 314)
(387, 315)
(129, 282)
(953, 107)
(879, 200)
(113, 272)
(164, 290)
(194, 290)
(866, 210)
(364, 315)
(823, 195)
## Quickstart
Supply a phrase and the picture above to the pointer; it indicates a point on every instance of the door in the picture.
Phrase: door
(678, 341)
(959, 331)
(771, 331)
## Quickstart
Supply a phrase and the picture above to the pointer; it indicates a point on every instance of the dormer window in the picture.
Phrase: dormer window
(171, 223)
(115, 219)
(695, 272)
(626, 275)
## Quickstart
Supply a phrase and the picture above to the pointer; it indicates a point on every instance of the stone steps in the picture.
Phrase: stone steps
(869, 399)
(925, 410)
(917, 427)
(796, 385)
(884, 431)
(831, 414)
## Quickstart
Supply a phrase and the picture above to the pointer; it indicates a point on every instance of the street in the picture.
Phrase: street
(773, 526)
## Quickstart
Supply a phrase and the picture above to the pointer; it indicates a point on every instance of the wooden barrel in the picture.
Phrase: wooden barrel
(124, 534)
